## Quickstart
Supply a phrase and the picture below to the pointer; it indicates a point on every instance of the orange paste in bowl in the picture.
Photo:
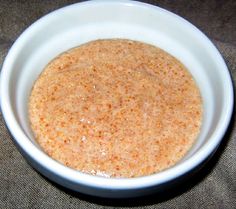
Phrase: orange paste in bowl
(116, 108)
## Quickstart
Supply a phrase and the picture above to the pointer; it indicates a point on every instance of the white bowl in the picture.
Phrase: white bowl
(79, 23)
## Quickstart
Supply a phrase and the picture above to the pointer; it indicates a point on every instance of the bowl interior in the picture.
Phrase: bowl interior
(77, 24)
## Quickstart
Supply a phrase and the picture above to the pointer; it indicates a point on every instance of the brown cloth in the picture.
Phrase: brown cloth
(214, 186)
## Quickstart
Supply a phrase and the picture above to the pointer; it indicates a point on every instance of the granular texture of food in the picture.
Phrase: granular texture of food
(115, 108)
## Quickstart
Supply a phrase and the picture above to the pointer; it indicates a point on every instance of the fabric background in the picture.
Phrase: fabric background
(214, 186)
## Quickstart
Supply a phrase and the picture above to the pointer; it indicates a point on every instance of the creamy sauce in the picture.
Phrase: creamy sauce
(116, 108)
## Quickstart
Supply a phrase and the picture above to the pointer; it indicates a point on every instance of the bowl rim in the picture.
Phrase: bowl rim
(96, 181)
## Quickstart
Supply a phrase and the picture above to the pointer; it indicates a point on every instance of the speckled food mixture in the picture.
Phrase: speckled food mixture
(116, 108)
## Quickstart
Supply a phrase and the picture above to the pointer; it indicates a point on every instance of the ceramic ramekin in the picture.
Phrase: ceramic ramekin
(79, 23)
